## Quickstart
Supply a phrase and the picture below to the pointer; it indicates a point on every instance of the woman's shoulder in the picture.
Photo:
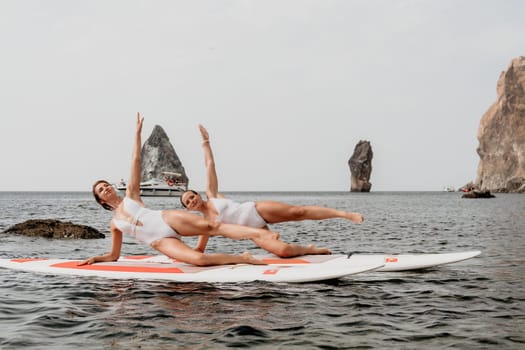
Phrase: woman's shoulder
(134, 200)
(131, 204)
(220, 204)
(219, 200)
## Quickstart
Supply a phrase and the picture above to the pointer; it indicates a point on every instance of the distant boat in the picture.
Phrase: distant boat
(449, 189)
(169, 186)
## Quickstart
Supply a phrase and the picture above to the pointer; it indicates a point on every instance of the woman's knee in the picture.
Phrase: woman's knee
(297, 212)
(200, 259)
(212, 226)
(156, 244)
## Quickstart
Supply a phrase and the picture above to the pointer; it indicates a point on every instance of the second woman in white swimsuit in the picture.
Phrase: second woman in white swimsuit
(162, 229)
(255, 214)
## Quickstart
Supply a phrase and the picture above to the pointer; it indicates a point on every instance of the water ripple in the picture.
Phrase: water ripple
(478, 303)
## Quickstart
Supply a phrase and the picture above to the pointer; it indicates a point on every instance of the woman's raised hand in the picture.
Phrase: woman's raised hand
(204, 133)
(140, 121)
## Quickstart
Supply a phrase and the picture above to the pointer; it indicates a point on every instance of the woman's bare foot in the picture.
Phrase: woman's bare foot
(355, 217)
(312, 249)
(249, 259)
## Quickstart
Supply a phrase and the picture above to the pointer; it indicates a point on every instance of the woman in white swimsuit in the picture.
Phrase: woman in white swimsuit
(162, 229)
(255, 214)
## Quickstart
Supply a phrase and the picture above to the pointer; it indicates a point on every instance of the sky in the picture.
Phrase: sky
(285, 88)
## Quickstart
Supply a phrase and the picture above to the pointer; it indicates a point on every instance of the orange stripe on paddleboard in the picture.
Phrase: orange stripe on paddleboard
(144, 257)
(27, 260)
(118, 268)
(286, 261)
(268, 261)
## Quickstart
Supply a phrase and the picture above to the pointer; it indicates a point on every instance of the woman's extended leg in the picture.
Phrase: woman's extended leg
(176, 249)
(188, 224)
(288, 250)
(274, 212)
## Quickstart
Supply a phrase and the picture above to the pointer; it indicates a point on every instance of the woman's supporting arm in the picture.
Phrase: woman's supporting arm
(114, 254)
(201, 243)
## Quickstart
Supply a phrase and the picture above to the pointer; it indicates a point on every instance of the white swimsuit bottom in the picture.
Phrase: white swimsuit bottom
(231, 212)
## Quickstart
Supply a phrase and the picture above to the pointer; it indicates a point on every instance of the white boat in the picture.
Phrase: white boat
(169, 186)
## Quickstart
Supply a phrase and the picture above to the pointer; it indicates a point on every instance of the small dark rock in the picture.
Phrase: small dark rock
(478, 194)
(49, 228)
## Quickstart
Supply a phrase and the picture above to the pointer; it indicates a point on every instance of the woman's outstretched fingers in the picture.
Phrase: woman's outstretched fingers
(140, 121)
(204, 133)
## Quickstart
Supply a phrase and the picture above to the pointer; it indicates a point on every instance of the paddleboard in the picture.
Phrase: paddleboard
(407, 262)
(296, 270)
(392, 263)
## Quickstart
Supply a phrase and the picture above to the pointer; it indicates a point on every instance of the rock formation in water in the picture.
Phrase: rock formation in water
(478, 194)
(49, 228)
(158, 156)
(361, 167)
(501, 135)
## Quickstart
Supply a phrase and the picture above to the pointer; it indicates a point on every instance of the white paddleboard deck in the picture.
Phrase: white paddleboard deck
(407, 262)
(306, 268)
(392, 263)
(296, 270)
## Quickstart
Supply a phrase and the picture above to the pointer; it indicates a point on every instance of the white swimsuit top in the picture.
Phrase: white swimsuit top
(231, 212)
(147, 225)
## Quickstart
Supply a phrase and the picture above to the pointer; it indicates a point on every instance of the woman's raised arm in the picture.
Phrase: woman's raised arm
(133, 188)
(212, 182)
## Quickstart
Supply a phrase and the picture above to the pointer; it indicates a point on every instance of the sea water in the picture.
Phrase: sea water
(474, 304)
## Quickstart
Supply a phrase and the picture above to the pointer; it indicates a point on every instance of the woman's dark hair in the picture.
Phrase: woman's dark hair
(97, 198)
(192, 191)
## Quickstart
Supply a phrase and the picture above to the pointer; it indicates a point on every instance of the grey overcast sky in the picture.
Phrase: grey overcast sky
(286, 88)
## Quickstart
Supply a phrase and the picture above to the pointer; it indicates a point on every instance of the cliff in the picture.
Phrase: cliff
(158, 155)
(501, 134)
